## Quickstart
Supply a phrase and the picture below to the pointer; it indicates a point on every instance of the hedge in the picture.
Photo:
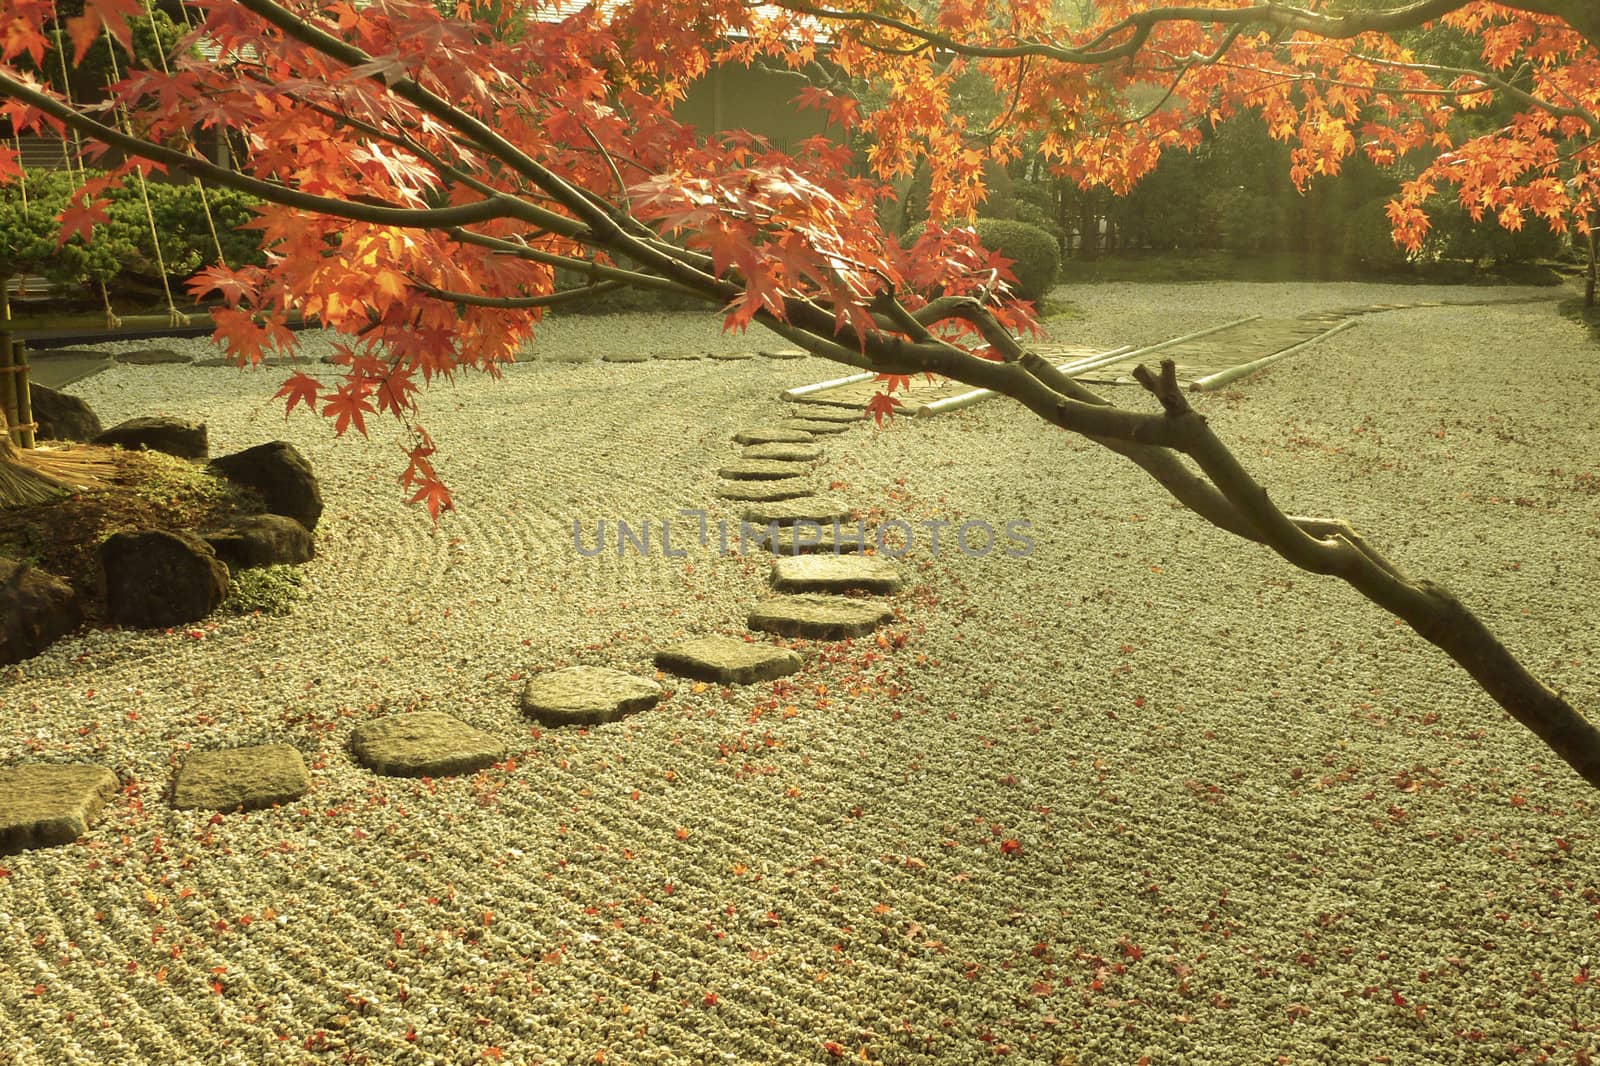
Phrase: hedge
(1035, 257)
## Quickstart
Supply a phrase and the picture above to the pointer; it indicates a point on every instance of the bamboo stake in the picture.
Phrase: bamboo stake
(8, 389)
(19, 377)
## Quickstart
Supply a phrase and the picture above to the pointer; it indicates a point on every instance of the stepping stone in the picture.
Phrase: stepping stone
(251, 778)
(836, 573)
(728, 660)
(819, 617)
(772, 435)
(828, 414)
(806, 425)
(43, 805)
(821, 510)
(762, 470)
(788, 453)
(587, 695)
(806, 537)
(151, 357)
(788, 488)
(424, 744)
(729, 357)
(783, 353)
(679, 355)
(626, 357)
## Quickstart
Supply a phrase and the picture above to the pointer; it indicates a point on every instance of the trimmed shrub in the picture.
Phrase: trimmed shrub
(1035, 258)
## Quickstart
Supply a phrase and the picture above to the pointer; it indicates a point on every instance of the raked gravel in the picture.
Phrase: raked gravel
(1144, 791)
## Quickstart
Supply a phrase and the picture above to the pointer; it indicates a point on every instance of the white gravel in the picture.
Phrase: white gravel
(1252, 817)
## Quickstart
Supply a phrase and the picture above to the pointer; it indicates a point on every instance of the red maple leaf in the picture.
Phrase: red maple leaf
(79, 217)
(349, 406)
(113, 15)
(880, 405)
(301, 388)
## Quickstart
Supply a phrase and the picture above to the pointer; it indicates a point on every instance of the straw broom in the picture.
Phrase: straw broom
(41, 475)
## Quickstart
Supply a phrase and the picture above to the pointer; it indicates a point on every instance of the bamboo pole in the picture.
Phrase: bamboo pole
(19, 377)
(8, 389)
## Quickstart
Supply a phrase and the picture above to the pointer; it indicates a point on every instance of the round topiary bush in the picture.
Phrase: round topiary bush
(1035, 257)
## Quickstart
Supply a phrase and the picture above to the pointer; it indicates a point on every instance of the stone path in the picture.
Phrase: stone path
(823, 595)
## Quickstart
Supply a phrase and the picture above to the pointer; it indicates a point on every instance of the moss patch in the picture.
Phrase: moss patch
(149, 490)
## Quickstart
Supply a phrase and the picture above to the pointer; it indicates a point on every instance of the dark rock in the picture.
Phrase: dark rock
(281, 474)
(262, 540)
(174, 436)
(35, 609)
(62, 417)
(156, 578)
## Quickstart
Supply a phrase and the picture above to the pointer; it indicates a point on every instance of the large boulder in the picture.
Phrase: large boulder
(281, 474)
(35, 609)
(262, 540)
(62, 417)
(157, 578)
(174, 436)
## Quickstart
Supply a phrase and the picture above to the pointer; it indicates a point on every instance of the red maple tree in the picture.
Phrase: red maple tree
(426, 174)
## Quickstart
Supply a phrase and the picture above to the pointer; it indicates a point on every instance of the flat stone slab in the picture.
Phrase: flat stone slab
(587, 695)
(828, 414)
(728, 660)
(819, 538)
(762, 470)
(152, 357)
(787, 453)
(813, 426)
(836, 573)
(772, 435)
(783, 353)
(252, 778)
(679, 355)
(729, 357)
(626, 357)
(424, 744)
(787, 488)
(822, 510)
(47, 804)
(819, 617)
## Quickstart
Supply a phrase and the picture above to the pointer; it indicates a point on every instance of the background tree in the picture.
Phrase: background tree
(425, 177)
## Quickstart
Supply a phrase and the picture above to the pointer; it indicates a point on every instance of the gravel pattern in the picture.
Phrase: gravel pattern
(1142, 792)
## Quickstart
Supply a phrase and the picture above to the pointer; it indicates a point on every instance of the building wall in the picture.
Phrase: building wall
(754, 99)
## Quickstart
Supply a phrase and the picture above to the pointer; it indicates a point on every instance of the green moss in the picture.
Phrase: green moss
(264, 590)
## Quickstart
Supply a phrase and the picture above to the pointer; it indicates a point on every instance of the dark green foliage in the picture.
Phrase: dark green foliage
(124, 245)
(1455, 236)
(1036, 259)
(180, 221)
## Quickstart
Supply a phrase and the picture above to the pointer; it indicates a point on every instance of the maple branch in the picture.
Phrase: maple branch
(1489, 81)
(381, 214)
(588, 266)
(1235, 502)
(552, 299)
(1138, 26)
(602, 227)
